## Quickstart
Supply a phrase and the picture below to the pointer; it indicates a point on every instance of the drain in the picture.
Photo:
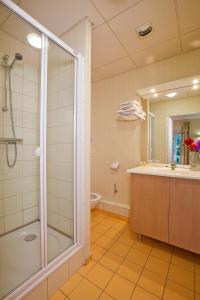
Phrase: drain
(30, 237)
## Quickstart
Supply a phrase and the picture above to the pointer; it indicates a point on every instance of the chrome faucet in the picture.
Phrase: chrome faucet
(173, 165)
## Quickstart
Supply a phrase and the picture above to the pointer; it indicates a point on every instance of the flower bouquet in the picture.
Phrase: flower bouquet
(194, 147)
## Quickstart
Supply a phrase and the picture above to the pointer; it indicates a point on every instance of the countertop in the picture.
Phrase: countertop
(163, 170)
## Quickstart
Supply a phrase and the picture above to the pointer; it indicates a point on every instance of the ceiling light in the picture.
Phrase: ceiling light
(152, 91)
(195, 87)
(171, 95)
(155, 94)
(35, 40)
(195, 81)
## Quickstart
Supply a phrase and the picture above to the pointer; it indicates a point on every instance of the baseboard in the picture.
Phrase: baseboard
(115, 208)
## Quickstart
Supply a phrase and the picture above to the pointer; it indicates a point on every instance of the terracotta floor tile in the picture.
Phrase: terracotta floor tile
(175, 291)
(197, 296)
(105, 296)
(197, 268)
(58, 296)
(95, 236)
(197, 284)
(100, 228)
(181, 276)
(152, 283)
(162, 253)
(137, 257)
(119, 288)
(105, 242)
(85, 290)
(99, 275)
(111, 261)
(141, 294)
(142, 246)
(130, 271)
(97, 252)
(127, 239)
(158, 266)
(120, 249)
(71, 283)
(86, 268)
(183, 259)
(107, 223)
(113, 233)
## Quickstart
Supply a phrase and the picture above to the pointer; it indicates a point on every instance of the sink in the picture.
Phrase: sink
(165, 170)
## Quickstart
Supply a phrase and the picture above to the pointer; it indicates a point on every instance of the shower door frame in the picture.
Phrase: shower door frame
(48, 268)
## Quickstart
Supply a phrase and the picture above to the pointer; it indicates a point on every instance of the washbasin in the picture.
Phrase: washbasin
(166, 170)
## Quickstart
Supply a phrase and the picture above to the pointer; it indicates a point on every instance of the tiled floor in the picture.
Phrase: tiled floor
(124, 268)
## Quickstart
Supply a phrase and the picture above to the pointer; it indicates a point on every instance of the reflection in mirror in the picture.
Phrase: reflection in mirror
(173, 115)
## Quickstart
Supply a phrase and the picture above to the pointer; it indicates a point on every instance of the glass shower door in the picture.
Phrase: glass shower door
(60, 150)
(20, 247)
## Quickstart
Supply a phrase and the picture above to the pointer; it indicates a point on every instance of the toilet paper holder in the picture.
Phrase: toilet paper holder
(114, 165)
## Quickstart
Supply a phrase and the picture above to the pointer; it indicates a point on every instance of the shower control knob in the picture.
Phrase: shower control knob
(37, 151)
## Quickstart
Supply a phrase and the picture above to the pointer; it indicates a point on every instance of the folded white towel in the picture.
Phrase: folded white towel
(130, 109)
(130, 102)
(127, 118)
(129, 115)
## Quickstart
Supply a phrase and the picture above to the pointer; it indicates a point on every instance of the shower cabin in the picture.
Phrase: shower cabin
(39, 148)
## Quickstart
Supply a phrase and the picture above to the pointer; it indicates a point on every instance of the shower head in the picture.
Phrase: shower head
(18, 56)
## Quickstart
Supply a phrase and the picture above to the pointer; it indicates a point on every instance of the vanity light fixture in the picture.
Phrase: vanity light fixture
(171, 95)
(195, 81)
(34, 40)
(195, 86)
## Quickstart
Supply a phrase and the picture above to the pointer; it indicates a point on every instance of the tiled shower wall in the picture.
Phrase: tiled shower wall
(60, 142)
(19, 186)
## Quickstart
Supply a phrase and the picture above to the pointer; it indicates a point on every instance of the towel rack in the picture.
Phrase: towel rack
(4, 140)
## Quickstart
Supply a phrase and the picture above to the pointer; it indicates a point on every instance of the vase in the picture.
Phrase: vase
(195, 159)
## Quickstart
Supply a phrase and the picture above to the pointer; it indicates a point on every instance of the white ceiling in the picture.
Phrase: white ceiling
(116, 47)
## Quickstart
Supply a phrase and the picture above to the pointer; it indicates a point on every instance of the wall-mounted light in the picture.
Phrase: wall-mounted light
(155, 95)
(34, 40)
(152, 91)
(171, 95)
(195, 81)
(195, 87)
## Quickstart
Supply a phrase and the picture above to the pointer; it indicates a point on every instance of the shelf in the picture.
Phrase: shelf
(4, 140)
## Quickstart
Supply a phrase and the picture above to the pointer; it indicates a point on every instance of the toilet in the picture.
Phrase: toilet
(94, 200)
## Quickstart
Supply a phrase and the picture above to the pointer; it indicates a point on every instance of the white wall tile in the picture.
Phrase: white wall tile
(13, 221)
(30, 214)
(12, 204)
(30, 199)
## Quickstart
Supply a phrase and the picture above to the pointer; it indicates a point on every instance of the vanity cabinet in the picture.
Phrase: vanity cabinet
(150, 206)
(184, 214)
(167, 209)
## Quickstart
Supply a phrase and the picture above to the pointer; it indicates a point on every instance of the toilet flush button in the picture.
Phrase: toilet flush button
(37, 151)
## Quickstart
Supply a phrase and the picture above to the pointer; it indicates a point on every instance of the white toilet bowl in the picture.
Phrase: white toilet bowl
(94, 200)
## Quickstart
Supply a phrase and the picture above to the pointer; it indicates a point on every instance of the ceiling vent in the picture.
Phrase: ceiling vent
(144, 30)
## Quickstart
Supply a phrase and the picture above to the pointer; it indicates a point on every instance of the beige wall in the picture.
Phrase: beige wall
(164, 109)
(114, 140)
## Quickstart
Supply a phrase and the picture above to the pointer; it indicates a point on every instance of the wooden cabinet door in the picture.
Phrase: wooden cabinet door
(184, 214)
(150, 206)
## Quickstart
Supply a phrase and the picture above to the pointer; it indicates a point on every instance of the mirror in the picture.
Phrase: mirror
(173, 115)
